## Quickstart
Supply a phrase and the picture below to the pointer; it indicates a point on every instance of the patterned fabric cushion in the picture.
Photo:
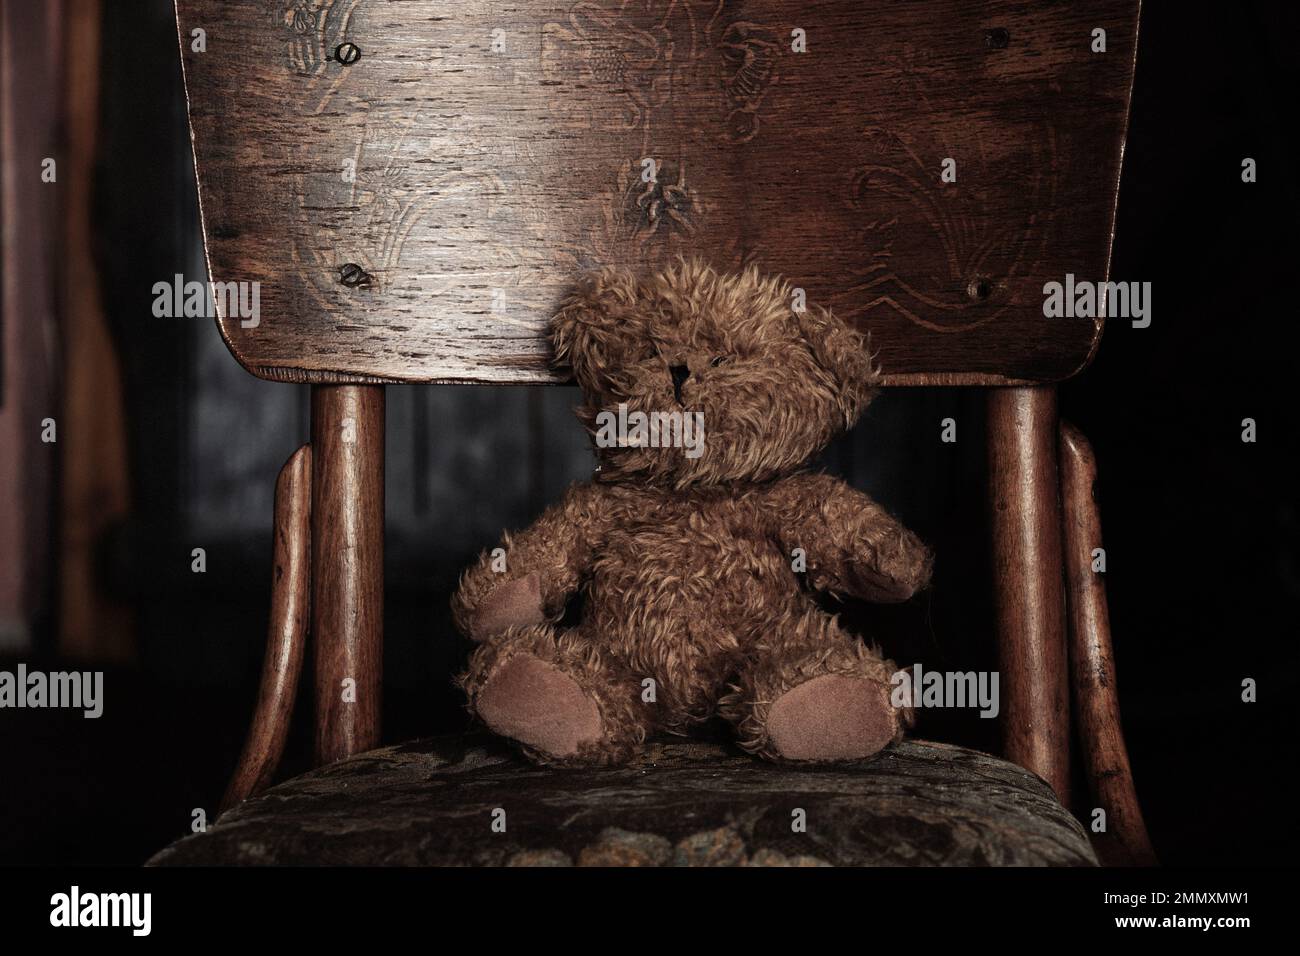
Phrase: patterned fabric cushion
(470, 801)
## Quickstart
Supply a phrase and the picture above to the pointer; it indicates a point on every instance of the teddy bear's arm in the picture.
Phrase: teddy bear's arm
(851, 544)
(531, 575)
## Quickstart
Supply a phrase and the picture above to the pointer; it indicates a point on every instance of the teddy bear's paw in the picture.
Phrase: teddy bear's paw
(902, 567)
(539, 705)
(516, 603)
(831, 718)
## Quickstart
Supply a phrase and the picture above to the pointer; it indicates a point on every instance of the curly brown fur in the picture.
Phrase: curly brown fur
(784, 384)
(687, 564)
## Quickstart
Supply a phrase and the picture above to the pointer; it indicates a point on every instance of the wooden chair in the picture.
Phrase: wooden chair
(414, 185)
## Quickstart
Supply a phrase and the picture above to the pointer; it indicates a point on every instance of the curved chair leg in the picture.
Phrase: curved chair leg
(286, 635)
(1092, 671)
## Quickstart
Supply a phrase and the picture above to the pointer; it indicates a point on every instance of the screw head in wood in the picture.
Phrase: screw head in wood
(353, 276)
(347, 53)
(979, 289)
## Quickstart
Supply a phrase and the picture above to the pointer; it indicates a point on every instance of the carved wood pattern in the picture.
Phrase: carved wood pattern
(485, 180)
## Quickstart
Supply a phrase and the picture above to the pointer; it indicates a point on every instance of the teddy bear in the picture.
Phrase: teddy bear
(698, 557)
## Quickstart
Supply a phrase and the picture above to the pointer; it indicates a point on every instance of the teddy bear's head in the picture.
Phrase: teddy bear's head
(696, 378)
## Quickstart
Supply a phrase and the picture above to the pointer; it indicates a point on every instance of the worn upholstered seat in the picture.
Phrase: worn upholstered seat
(434, 802)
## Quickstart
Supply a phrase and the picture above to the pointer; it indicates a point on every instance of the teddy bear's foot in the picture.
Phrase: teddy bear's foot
(537, 704)
(811, 693)
(832, 717)
(562, 701)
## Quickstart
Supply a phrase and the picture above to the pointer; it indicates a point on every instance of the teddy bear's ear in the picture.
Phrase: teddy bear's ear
(596, 324)
(845, 354)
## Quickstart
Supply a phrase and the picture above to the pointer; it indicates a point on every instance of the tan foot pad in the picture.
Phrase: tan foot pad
(539, 705)
(832, 717)
(512, 604)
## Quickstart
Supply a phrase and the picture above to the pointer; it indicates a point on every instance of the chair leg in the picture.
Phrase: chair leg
(1092, 670)
(286, 636)
(1030, 605)
(347, 566)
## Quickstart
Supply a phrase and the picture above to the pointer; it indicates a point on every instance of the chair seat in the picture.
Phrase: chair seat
(434, 802)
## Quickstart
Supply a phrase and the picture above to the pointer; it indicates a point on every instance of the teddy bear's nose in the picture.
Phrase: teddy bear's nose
(680, 374)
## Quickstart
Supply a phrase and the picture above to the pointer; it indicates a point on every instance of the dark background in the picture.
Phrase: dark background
(1201, 529)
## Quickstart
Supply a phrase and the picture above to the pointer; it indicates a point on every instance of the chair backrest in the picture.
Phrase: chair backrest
(413, 185)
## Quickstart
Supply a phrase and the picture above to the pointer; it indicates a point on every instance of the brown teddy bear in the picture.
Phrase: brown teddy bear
(698, 542)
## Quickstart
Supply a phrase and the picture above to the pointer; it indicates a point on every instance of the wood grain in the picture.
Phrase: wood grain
(1026, 526)
(347, 566)
(286, 635)
(1092, 667)
(499, 149)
